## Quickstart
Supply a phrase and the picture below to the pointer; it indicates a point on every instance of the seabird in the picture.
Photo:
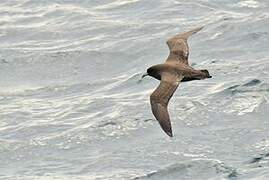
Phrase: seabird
(176, 69)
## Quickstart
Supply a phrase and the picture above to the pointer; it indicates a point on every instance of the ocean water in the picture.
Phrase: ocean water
(71, 106)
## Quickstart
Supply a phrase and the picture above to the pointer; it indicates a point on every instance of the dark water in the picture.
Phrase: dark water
(71, 107)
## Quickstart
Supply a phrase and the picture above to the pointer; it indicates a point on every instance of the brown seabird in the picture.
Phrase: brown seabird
(176, 69)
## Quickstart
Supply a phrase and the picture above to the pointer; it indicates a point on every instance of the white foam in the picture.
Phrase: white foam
(249, 3)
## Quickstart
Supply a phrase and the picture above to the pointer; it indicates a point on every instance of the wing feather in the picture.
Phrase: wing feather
(159, 100)
(178, 46)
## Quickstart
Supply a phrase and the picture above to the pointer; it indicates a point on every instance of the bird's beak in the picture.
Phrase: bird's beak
(144, 75)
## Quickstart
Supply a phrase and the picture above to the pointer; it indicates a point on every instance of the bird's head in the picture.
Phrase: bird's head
(148, 73)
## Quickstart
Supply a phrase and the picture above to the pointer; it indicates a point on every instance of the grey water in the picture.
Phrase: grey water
(71, 106)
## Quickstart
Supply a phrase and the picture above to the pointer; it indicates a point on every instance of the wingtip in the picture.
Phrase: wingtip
(193, 31)
(201, 27)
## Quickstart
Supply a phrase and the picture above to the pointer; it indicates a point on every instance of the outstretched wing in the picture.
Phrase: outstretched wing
(160, 97)
(178, 46)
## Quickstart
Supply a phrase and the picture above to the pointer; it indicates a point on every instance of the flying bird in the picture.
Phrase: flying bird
(174, 70)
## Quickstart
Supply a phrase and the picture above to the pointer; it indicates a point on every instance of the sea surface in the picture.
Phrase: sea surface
(71, 106)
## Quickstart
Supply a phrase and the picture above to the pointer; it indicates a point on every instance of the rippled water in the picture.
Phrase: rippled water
(71, 107)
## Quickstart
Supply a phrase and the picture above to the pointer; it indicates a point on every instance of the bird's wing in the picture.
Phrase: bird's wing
(178, 46)
(160, 97)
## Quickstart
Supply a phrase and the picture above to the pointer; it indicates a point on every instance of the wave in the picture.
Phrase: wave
(197, 169)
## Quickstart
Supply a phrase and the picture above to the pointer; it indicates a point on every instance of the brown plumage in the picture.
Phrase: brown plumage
(175, 69)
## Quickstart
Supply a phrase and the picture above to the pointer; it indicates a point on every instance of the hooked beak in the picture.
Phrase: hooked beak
(144, 75)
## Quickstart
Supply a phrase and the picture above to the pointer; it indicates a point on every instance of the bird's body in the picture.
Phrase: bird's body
(176, 69)
(186, 71)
